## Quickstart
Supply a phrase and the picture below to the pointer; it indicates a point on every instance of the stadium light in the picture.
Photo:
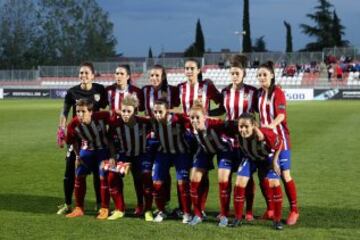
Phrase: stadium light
(240, 35)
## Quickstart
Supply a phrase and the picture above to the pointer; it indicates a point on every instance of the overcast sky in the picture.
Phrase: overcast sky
(169, 25)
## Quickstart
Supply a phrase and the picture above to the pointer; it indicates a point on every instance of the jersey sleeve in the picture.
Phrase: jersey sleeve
(104, 101)
(69, 101)
(71, 136)
(231, 128)
(213, 93)
(272, 139)
(103, 115)
(140, 96)
(279, 102)
(175, 96)
(254, 101)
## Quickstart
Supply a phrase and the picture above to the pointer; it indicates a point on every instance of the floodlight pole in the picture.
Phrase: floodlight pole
(240, 35)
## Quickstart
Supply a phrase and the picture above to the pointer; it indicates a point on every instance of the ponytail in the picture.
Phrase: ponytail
(128, 71)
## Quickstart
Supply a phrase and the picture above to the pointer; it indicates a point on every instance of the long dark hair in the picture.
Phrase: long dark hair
(164, 81)
(239, 61)
(248, 116)
(127, 69)
(89, 65)
(269, 65)
(198, 65)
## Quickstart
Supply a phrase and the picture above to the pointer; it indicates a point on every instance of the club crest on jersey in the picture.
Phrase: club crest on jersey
(164, 95)
(97, 97)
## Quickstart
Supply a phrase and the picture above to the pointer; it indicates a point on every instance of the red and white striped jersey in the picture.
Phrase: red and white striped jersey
(130, 140)
(171, 134)
(115, 96)
(236, 102)
(213, 138)
(93, 135)
(269, 109)
(204, 91)
(260, 150)
(151, 95)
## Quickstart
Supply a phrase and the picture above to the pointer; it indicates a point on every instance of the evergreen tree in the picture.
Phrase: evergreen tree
(150, 54)
(289, 46)
(199, 39)
(197, 48)
(191, 51)
(338, 31)
(246, 43)
(322, 30)
(260, 45)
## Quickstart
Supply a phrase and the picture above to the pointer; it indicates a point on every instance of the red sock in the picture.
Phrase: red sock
(277, 203)
(178, 196)
(116, 190)
(250, 195)
(239, 197)
(290, 190)
(80, 190)
(268, 194)
(104, 192)
(204, 190)
(195, 199)
(159, 196)
(148, 194)
(224, 196)
(185, 196)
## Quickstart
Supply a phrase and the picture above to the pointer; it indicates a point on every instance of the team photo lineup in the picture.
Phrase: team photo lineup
(193, 128)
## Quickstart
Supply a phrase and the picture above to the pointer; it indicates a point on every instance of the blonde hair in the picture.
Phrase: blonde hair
(130, 100)
(198, 106)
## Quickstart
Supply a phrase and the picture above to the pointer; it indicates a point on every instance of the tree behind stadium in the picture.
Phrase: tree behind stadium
(197, 48)
(74, 31)
(260, 45)
(246, 43)
(19, 34)
(289, 46)
(322, 31)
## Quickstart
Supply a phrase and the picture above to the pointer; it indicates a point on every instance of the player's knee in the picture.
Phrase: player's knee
(241, 181)
(286, 175)
(273, 182)
(223, 175)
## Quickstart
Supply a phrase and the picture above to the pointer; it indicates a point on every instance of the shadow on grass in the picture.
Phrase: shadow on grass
(29, 203)
(310, 216)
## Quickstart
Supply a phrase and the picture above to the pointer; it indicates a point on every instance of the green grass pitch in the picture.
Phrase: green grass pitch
(326, 167)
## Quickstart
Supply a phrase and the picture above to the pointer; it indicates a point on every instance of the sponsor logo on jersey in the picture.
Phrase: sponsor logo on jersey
(282, 106)
(97, 97)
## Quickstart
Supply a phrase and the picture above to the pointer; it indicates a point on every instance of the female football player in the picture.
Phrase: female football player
(210, 136)
(262, 148)
(116, 93)
(197, 88)
(272, 110)
(89, 90)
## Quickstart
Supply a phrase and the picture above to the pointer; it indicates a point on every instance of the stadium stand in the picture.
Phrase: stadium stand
(295, 70)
